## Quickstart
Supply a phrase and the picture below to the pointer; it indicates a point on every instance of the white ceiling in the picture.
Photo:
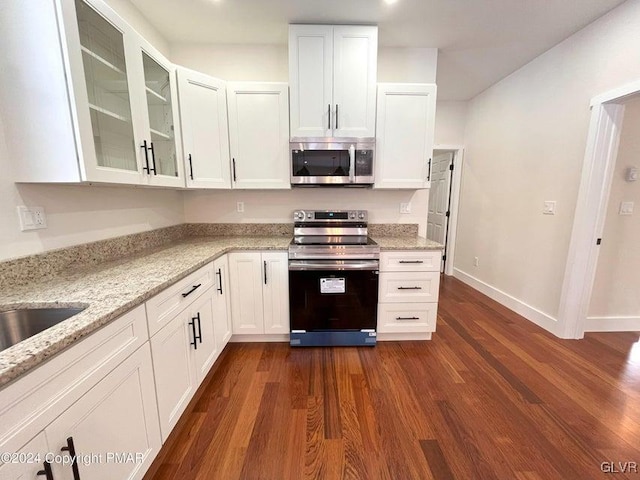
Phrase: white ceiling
(479, 41)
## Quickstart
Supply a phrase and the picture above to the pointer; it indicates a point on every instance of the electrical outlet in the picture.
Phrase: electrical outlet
(240, 207)
(476, 261)
(31, 218)
(405, 208)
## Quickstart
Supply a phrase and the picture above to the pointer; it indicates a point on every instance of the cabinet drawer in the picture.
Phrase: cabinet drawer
(407, 317)
(162, 308)
(409, 287)
(32, 402)
(410, 261)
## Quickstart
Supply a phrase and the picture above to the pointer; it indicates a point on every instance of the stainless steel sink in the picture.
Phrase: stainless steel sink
(20, 324)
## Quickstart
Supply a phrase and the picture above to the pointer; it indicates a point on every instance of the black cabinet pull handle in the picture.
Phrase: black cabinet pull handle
(336, 116)
(192, 324)
(190, 167)
(219, 273)
(234, 169)
(153, 158)
(265, 272)
(146, 156)
(429, 174)
(329, 116)
(46, 471)
(193, 289)
(407, 318)
(71, 448)
(410, 261)
(409, 288)
(197, 317)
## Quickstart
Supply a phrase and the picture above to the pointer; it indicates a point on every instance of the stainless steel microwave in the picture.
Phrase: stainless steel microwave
(332, 161)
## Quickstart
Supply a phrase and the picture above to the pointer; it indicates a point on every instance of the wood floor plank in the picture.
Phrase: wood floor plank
(491, 396)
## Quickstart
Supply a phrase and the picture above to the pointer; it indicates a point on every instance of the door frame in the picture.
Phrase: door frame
(607, 112)
(454, 202)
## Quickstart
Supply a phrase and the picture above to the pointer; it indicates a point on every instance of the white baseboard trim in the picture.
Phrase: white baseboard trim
(527, 311)
(612, 324)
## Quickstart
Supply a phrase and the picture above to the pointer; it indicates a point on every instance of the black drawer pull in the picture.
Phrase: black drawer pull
(74, 458)
(411, 261)
(195, 287)
(407, 318)
(47, 471)
(409, 288)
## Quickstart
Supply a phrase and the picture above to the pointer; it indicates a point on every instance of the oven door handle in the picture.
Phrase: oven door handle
(299, 265)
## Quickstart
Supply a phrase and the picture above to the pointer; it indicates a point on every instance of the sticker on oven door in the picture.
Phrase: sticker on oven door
(332, 285)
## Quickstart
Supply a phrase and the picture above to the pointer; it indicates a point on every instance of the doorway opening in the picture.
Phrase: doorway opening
(607, 113)
(442, 216)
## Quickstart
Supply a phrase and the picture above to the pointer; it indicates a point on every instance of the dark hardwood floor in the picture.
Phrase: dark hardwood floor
(491, 396)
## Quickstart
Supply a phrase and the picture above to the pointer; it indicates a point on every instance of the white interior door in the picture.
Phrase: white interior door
(439, 196)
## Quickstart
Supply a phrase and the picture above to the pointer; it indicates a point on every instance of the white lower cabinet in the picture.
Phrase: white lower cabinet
(259, 292)
(28, 462)
(222, 302)
(408, 292)
(183, 353)
(116, 417)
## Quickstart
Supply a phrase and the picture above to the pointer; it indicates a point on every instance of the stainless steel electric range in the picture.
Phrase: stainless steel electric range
(333, 279)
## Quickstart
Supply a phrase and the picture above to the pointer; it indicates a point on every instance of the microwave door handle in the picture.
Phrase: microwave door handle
(352, 163)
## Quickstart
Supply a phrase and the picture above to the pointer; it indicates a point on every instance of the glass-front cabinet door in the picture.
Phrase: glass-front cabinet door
(107, 81)
(125, 100)
(161, 148)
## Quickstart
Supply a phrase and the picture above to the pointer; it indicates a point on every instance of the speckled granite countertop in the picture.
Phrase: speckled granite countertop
(109, 290)
(406, 243)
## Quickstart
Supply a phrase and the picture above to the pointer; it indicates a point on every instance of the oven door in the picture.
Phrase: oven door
(333, 302)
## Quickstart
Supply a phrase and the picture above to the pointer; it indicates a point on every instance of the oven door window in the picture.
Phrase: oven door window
(320, 163)
(333, 300)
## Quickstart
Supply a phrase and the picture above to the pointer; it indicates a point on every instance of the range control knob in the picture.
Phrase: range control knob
(352, 215)
(298, 215)
(361, 215)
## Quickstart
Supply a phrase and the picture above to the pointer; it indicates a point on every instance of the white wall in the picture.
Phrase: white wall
(79, 214)
(249, 63)
(270, 63)
(617, 282)
(525, 143)
(451, 119)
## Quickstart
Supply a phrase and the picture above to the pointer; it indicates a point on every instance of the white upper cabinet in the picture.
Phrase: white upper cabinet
(259, 134)
(332, 75)
(404, 137)
(160, 145)
(89, 99)
(205, 132)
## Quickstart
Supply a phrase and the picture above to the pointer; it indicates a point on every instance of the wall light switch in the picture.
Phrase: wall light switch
(405, 208)
(626, 208)
(549, 207)
(240, 207)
